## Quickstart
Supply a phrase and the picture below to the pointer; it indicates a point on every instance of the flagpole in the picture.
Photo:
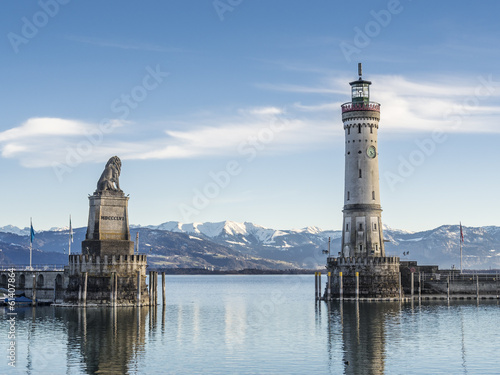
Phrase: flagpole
(460, 254)
(461, 239)
(31, 241)
(70, 238)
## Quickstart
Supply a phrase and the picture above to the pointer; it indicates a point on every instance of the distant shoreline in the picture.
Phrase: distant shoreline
(199, 271)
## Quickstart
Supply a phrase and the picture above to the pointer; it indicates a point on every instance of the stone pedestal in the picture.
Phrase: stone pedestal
(378, 277)
(108, 231)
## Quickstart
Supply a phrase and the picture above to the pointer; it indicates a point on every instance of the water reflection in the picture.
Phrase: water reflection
(362, 329)
(106, 340)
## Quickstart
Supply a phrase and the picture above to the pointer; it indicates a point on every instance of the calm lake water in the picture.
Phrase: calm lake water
(256, 325)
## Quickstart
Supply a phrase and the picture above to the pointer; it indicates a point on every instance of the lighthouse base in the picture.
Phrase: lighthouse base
(366, 277)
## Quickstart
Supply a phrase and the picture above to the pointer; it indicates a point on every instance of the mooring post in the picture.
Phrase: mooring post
(357, 285)
(138, 288)
(85, 278)
(412, 284)
(329, 286)
(477, 287)
(156, 288)
(419, 286)
(341, 286)
(400, 292)
(116, 289)
(164, 301)
(316, 286)
(448, 288)
(149, 290)
(33, 294)
(319, 285)
(153, 287)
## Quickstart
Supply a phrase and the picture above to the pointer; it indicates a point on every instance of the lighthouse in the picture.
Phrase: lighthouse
(362, 234)
(362, 269)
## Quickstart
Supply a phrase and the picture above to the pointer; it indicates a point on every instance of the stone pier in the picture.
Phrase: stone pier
(364, 277)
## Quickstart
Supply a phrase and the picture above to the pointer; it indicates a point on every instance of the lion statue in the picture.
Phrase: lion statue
(109, 177)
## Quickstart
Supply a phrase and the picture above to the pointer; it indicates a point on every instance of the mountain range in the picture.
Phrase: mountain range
(230, 245)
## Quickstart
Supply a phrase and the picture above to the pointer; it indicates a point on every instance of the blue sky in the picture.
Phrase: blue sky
(230, 110)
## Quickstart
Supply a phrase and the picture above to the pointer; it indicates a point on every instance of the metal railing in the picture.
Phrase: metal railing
(34, 267)
(370, 106)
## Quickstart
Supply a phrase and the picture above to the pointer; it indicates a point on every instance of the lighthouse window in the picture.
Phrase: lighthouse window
(348, 195)
(373, 195)
(359, 128)
(360, 247)
(347, 227)
(348, 130)
(374, 226)
(376, 247)
(360, 226)
(360, 173)
(371, 129)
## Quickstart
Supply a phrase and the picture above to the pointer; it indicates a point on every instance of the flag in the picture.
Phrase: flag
(461, 233)
(70, 230)
(32, 232)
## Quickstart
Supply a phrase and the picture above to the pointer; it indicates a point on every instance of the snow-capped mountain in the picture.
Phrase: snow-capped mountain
(301, 246)
(440, 246)
(176, 244)
(15, 230)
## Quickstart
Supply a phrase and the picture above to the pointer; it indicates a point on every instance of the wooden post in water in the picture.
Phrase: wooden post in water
(412, 284)
(357, 285)
(153, 288)
(448, 288)
(138, 288)
(341, 286)
(156, 288)
(116, 289)
(319, 285)
(400, 291)
(329, 287)
(477, 287)
(85, 278)
(419, 286)
(164, 301)
(315, 286)
(149, 290)
(33, 294)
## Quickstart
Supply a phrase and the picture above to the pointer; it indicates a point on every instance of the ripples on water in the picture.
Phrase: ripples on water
(257, 325)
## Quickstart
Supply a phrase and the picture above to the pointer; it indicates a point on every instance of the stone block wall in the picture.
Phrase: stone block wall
(101, 272)
(378, 277)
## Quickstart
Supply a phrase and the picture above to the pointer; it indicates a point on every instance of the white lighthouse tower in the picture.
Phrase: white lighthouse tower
(362, 225)
(362, 269)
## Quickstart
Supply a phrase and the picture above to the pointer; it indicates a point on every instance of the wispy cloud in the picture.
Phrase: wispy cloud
(407, 107)
(40, 142)
(467, 105)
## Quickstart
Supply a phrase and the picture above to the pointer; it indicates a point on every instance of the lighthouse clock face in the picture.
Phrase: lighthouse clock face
(371, 152)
